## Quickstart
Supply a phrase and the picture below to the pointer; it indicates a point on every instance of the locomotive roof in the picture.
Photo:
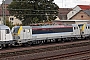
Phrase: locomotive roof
(51, 26)
(25, 27)
(4, 27)
(88, 24)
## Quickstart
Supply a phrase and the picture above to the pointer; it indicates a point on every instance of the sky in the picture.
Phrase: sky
(69, 3)
(0, 1)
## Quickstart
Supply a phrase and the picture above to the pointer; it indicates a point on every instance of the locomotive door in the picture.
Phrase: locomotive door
(7, 35)
(81, 28)
(26, 34)
(2, 35)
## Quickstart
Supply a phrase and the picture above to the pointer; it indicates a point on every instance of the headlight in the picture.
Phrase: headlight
(16, 37)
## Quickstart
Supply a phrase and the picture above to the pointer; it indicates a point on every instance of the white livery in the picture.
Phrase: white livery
(27, 35)
(5, 36)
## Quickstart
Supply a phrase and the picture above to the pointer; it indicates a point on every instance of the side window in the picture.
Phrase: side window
(24, 30)
(88, 27)
(12, 19)
(74, 28)
(7, 31)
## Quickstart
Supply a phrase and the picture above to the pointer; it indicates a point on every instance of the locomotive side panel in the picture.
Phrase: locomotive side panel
(45, 33)
(22, 34)
(85, 30)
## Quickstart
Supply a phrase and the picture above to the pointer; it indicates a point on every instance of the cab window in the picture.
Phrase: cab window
(7, 31)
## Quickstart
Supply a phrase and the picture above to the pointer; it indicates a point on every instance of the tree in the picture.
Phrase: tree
(9, 23)
(29, 10)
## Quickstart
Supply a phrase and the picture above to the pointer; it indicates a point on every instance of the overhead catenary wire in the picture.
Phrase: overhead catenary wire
(31, 9)
(35, 14)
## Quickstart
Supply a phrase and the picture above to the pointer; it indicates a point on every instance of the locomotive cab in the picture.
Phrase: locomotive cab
(22, 33)
(84, 30)
(5, 36)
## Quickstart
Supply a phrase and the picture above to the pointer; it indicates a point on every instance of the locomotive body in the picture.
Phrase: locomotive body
(42, 34)
(25, 34)
(84, 30)
(5, 36)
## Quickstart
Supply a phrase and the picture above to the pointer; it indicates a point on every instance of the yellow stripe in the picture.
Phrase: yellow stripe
(83, 27)
(19, 29)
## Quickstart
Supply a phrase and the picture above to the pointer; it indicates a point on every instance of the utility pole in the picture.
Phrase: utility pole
(3, 13)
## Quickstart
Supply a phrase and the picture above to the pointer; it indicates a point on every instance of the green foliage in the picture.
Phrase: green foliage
(33, 11)
(9, 24)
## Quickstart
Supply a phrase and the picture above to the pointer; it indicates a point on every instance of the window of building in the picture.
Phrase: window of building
(11, 18)
(81, 16)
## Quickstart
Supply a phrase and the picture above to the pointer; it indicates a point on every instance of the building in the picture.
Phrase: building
(62, 13)
(80, 12)
(78, 15)
(72, 22)
(12, 19)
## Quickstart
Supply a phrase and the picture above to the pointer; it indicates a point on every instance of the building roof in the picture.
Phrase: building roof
(8, 1)
(87, 12)
(57, 18)
(84, 7)
(76, 20)
(77, 9)
(62, 12)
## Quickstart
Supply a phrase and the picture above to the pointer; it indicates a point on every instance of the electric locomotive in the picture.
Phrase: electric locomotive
(48, 33)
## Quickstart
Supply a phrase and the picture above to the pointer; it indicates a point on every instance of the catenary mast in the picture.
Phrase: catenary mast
(3, 12)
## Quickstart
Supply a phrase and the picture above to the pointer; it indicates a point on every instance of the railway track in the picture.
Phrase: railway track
(60, 45)
(65, 56)
(34, 51)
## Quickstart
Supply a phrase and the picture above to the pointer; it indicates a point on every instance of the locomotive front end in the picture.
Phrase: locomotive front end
(22, 34)
(15, 32)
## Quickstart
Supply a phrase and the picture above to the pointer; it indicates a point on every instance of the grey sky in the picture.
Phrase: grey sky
(71, 3)
(67, 3)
